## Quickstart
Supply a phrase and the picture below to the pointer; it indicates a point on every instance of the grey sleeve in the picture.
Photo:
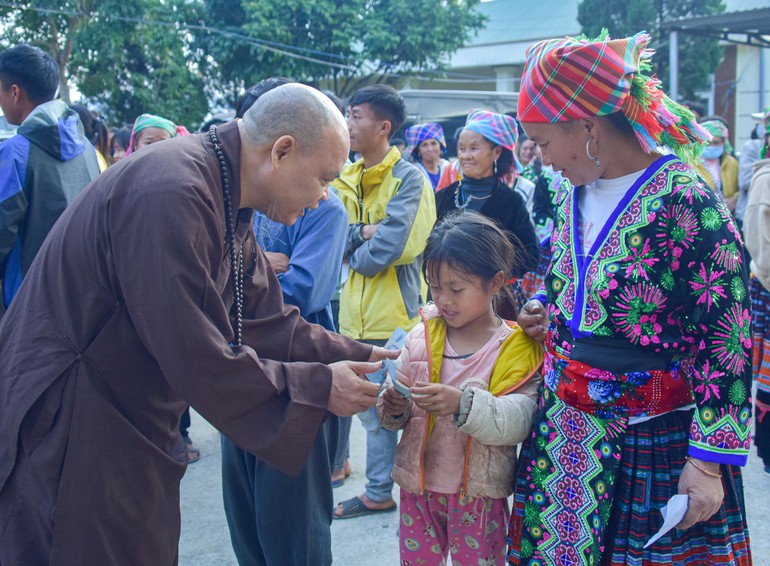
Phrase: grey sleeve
(353, 238)
(389, 241)
(749, 154)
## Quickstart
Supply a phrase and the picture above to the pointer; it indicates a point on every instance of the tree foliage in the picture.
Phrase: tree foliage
(345, 42)
(698, 56)
(127, 56)
(134, 56)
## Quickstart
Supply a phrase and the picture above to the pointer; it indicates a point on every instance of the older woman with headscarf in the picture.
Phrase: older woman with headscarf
(648, 367)
(717, 166)
(426, 145)
(485, 153)
(149, 129)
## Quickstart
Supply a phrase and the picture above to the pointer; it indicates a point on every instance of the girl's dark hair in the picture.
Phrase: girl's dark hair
(94, 128)
(253, 93)
(121, 137)
(470, 243)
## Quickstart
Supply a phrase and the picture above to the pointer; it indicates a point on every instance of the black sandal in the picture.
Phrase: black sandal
(354, 507)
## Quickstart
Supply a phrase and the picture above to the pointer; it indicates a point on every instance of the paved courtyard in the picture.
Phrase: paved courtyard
(373, 540)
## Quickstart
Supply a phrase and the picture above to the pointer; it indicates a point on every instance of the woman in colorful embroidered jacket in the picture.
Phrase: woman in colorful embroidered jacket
(426, 145)
(646, 325)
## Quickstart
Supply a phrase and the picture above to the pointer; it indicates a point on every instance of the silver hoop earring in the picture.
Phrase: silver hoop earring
(594, 157)
(494, 167)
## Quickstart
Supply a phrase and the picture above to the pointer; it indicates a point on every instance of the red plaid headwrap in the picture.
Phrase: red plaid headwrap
(572, 78)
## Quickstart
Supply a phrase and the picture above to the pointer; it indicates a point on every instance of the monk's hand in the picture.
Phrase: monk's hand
(533, 320)
(278, 261)
(706, 492)
(393, 403)
(368, 230)
(436, 398)
(378, 354)
(351, 392)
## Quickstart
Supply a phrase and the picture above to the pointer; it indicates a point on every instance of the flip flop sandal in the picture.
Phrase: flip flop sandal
(340, 482)
(193, 452)
(354, 507)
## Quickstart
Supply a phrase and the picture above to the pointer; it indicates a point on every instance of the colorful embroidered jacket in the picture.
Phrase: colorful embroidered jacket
(662, 288)
(550, 186)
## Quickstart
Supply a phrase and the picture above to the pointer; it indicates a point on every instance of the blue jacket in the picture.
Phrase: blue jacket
(314, 244)
(42, 169)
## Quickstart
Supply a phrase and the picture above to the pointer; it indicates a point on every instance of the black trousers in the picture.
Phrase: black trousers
(276, 519)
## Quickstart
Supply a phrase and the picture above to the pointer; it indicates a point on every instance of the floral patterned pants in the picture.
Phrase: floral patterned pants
(471, 529)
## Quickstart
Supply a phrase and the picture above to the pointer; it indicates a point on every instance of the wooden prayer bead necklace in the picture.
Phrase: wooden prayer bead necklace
(236, 258)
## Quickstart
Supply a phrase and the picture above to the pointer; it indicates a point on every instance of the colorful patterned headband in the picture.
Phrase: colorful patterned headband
(718, 128)
(573, 78)
(418, 133)
(145, 121)
(500, 129)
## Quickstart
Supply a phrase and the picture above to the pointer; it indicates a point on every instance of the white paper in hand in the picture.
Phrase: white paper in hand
(396, 342)
(673, 512)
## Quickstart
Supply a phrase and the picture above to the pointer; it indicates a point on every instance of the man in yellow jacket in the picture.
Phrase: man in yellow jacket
(391, 210)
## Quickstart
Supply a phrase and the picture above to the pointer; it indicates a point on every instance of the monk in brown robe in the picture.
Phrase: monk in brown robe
(133, 308)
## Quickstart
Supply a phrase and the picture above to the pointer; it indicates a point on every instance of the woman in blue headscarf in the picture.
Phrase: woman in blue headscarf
(485, 151)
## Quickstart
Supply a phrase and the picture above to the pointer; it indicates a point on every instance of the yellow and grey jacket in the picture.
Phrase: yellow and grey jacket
(384, 287)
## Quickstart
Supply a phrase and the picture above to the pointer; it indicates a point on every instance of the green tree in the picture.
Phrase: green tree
(345, 42)
(127, 56)
(698, 56)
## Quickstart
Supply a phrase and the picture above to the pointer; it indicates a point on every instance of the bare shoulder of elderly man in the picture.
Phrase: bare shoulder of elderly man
(128, 314)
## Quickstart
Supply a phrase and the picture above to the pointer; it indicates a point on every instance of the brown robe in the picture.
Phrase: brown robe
(124, 317)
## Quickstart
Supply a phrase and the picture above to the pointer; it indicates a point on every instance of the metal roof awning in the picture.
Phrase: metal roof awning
(747, 27)
(434, 105)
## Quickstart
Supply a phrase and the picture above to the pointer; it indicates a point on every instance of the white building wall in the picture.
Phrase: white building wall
(750, 96)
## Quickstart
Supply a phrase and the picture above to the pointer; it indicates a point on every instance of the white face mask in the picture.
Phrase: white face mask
(713, 152)
(760, 131)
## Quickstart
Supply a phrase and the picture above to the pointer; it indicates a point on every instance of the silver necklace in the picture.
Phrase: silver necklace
(464, 205)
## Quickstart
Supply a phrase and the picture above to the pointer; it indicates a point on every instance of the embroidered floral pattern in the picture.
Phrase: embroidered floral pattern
(669, 278)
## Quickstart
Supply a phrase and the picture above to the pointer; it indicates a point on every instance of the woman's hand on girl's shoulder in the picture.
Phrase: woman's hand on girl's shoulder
(437, 399)
(533, 320)
(393, 403)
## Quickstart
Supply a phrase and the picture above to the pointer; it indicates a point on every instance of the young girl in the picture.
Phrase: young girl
(473, 381)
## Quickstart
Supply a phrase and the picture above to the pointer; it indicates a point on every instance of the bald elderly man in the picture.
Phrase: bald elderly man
(151, 293)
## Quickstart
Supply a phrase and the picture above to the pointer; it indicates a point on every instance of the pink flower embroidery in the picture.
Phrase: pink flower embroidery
(708, 286)
(640, 261)
(708, 381)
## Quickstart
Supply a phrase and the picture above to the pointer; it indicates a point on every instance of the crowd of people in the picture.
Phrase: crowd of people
(574, 290)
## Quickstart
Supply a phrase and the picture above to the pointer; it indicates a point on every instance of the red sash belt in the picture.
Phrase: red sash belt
(611, 395)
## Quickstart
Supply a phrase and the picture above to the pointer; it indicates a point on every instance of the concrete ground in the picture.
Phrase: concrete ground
(372, 540)
(205, 541)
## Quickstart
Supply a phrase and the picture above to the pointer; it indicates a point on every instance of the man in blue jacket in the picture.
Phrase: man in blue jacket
(275, 518)
(42, 168)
